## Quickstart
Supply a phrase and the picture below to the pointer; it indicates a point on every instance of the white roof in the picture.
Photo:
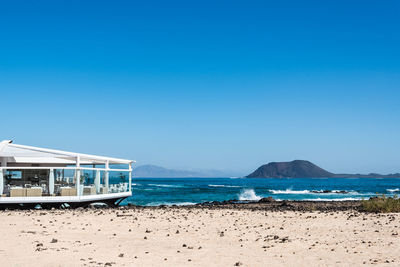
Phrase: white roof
(30, 154)
(41, 160)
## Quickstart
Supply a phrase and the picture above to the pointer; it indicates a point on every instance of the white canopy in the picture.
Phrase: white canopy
(29, 154)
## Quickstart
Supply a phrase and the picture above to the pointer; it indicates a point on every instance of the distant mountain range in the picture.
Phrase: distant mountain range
(153, 171)
(305, 169)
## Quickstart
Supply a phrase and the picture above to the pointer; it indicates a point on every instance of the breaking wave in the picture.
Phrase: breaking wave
(393, 190)
(221, 185)
(249, 194)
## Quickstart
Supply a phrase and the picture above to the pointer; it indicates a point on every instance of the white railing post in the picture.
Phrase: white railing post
(1, 181)
(78, 176)
(3, 172)
(51, 182)
(97, 181)
(130, 177)
(107, 175)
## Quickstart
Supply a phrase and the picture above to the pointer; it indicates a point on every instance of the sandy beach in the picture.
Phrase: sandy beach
(198, 236)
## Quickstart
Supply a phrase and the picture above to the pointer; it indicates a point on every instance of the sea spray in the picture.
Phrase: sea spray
(249, 194)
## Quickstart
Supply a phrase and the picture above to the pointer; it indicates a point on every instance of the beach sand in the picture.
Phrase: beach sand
(178, 236)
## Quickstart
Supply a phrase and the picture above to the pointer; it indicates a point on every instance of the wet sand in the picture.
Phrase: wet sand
(222, 235)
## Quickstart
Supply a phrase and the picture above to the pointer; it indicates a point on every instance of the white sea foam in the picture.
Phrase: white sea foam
(165, 185)
(393, 190)
(289, 191)
(249, 194)
(221, 185)
(351, 192)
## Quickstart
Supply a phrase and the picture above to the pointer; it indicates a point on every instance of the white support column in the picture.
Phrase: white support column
(2, 173)
(1, 181)
(107, 176)
(51, 182)
(130, 177)
(78, 176)
(97, 181)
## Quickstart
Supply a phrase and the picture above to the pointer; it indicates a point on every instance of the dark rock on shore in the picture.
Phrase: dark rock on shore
(268, 204)
(286, 205)
(266, 200)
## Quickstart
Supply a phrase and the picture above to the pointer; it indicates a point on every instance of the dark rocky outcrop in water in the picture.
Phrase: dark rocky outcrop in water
(292, 169)
(305, 169)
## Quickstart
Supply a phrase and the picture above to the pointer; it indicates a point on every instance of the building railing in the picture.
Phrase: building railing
(79, 181)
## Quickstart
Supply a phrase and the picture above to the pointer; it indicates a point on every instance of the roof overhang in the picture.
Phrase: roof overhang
(43, 160)
(29, 154)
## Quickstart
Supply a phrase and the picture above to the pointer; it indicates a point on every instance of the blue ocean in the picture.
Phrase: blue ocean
(186, 191)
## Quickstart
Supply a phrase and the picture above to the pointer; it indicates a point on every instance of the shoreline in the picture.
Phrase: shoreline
(274, 205)
(281, 205)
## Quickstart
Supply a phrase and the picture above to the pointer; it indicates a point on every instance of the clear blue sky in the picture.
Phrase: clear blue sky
(206, 84)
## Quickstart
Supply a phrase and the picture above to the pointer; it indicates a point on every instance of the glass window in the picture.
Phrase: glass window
(14, 174)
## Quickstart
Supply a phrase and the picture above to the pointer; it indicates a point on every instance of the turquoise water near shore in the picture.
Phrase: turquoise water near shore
(185, 191)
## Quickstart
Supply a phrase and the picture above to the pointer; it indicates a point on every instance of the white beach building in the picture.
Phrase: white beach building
(53, 178)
